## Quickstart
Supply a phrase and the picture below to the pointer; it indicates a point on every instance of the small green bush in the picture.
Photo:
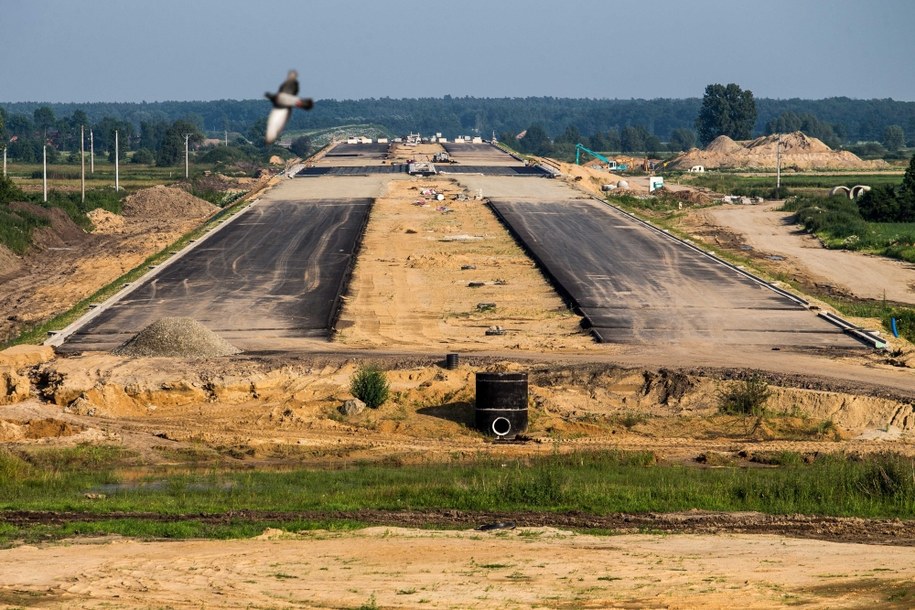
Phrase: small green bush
(749, 397)
(370, 385)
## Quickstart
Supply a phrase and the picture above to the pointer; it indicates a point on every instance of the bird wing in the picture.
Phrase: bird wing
(276, 122)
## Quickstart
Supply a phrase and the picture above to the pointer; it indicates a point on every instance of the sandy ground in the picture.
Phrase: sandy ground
(411, 290)
(766, 229)
(406, 568)
(443, 273)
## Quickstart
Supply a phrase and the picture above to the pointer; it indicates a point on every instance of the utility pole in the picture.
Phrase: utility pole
(82, 162)
(4, 161)
(187, 163)
(117, 185)
(778, 166)
(227, 137)
(44, 173)
(91, 153)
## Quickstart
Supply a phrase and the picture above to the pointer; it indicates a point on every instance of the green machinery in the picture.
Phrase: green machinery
(611, 164)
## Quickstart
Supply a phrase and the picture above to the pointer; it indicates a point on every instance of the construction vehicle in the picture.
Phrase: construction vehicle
(612, 165)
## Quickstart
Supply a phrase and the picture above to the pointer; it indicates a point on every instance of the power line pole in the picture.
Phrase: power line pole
(82, 162)
(91, 153)
(4, 161)
(187, 163)
(44, 173)
(778, 166)
(117, 185)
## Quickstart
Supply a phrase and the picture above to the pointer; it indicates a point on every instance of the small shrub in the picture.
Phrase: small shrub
(749, 397)
(370, 385)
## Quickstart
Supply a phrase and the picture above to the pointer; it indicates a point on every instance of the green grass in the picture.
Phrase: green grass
(808, 183)
(598, 483)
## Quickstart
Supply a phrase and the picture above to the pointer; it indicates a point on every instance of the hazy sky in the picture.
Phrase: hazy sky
(154, 50)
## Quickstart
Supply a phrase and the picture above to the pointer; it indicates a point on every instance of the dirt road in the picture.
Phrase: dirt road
(768, 230)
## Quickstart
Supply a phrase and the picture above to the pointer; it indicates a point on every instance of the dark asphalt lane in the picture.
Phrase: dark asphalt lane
(479, 154)
(277, 270)
(634, 284)
(363, 151)
(354, 170)
(491, 170)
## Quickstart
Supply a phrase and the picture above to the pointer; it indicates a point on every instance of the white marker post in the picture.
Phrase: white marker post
(82, 163)
(116, 181)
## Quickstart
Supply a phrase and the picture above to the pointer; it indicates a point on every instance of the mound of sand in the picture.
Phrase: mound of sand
(798, 152)
(105, 222)
(166, 202)
(178, 337)
(723, 145)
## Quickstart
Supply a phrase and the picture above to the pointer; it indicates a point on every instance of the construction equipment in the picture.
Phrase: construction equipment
(612, 165)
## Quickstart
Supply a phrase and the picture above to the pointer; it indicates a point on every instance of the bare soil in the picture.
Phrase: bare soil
(393, 567)
(67, 264)
(411, 294)
(793, 151)
(767, 234)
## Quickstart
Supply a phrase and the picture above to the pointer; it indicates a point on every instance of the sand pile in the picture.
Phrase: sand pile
(166, 202)
(798, 152)
(723, 145)
(104, 222)
(179, 337)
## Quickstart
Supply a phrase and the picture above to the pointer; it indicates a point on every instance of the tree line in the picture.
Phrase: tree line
(601, 124)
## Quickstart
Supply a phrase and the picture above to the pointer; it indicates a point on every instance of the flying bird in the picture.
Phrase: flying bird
(284, 101)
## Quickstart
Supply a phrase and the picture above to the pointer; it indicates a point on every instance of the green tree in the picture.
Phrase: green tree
(143, 155)
(571, 135)
(682, 139)
(301, 146)
(103, 131)
(880, 204)
(893, 137)
(726, 110)
(906, 192)
(44, 120)
(535, 141)
(635, 139)
(171, 150)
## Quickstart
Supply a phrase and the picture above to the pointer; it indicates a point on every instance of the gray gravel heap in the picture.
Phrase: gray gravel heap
(181, 337)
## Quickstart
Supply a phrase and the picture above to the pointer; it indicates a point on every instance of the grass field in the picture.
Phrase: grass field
(88, 479)
(763, 185)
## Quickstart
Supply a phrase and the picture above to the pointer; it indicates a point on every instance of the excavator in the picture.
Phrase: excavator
(612, 165)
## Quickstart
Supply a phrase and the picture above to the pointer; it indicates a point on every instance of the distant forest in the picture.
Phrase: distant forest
(156, 132)
(851, 120)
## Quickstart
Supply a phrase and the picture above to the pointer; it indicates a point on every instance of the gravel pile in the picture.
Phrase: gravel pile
(166, 202)
(181, 337)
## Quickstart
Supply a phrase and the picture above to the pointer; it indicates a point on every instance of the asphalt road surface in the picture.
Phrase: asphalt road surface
(634, 284)
(275, 271)
(467, 153)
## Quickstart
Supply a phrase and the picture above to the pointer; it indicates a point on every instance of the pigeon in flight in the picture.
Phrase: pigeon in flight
(284, 101)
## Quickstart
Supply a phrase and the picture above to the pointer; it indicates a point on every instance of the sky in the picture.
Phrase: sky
(157, 50)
